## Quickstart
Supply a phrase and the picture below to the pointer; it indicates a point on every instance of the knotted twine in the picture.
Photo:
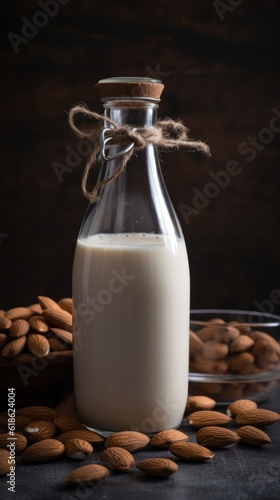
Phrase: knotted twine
(166, 134)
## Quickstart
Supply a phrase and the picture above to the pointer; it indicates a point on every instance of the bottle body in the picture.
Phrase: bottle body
(131, 304)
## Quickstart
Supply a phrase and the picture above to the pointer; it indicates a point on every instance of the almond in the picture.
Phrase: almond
(66, 304)
(39, 429)
(64, 423)
(206, 333)
(61, 319)
(4, 339)
(78, 449)
(21, 422)
(48, 303)
(196, 345)
(217, 321)
(5, 323)
(214, 350)
(257, 335)
(19, 313)
(57, 345)
(63, 335)
(18, 439)
(37, 412)
(35, 308)
(38, 345)
(39, 324)
(86, 435)
(191, 452)
(196, 403)
(43, 451)
(265, 354)
(117, 458)
(158, 467)
(4, 464)
(257, 417)
(253, 436)
(241, 363)
(13, 348)
(209, 366)
(216, 437)
(19, 328)
(242, 343)
(164, 439)
(204, 418)
(129, 440)
(226, 334)
(92, 473)
(240, 405)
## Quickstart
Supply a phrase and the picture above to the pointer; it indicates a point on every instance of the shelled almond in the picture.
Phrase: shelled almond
(43, 439)
(218, 348)
(37, 329)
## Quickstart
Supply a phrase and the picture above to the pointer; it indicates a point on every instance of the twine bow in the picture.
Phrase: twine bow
(167, 134)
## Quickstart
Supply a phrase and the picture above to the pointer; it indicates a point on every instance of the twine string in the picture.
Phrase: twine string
(166, 134)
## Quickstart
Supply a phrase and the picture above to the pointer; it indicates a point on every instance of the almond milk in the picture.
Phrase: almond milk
(131, 314)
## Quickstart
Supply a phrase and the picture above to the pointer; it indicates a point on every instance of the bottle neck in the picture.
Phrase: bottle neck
(140, 114)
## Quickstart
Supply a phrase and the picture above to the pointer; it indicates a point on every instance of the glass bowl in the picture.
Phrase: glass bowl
(234, 355)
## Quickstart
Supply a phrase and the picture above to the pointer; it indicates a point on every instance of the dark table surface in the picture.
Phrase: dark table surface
(237, 472)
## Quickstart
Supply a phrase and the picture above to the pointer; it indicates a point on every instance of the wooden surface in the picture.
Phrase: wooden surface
(221, 78)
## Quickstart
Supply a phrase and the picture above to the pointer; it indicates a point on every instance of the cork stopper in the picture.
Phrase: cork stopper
(132, 87)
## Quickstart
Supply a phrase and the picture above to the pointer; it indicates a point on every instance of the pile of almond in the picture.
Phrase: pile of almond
(38, 329)
(43, 434)
(219, 348)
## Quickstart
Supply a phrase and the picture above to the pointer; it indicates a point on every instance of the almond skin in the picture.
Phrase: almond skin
(5, 323)
(90, 436)
(13, 348)
(35, 308)
(196, 345)
(48, 303)
(37, 412)
(39, 324)
(158, 467)
(191, 452)
(19, 440)
(92, 473)
(164, 439)
(226, 334)
(39, 429)
(241, 344)
(63, 335)
(240, 405)
(197, 403)
(43, 451)
(78, 449)
(129, 440)
(4, 464)
(19, 328)
(66, 304)
(64, 423)
(253, 436)
(4, 339)
(38, 345)
(257, 417)
(216, 437)
(205, 418)
(214, 350)
(60, 319)
(19, 313)
(117, 458)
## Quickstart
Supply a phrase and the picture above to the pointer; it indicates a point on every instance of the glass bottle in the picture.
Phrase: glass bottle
(131, 289)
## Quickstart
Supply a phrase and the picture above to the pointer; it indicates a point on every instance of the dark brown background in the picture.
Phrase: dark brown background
(222, 79)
